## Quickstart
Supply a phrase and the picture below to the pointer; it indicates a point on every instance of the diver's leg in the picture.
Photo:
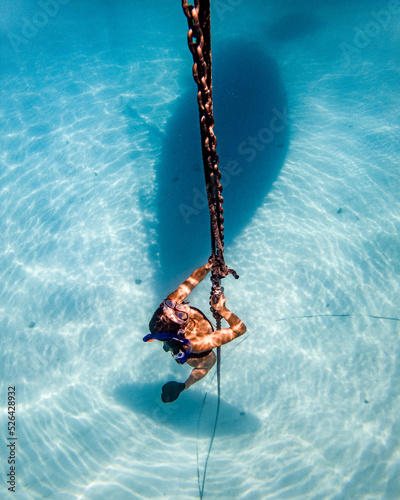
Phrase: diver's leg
(201, 366)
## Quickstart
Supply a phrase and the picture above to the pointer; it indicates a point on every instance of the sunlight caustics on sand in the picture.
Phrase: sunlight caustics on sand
(310, 399)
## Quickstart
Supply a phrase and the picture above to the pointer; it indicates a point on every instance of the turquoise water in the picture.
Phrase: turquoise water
(96, 128)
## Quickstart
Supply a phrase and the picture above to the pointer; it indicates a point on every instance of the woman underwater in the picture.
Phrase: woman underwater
(189, 335)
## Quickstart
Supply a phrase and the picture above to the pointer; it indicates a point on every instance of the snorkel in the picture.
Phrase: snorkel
(183, 354)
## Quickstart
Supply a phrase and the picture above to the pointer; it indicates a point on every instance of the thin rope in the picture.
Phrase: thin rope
(201, 486)
(203, 482)
(337, 316)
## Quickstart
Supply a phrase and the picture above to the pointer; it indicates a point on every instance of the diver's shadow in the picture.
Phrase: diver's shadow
(183, 414)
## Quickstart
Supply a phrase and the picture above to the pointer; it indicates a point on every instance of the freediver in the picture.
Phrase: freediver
(189, 335)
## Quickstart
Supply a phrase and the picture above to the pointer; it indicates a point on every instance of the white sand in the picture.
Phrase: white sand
(309, 405)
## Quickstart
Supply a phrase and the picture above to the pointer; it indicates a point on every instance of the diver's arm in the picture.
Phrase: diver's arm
(236, 324)
(218, 338)
(223, 336)
(189, 284)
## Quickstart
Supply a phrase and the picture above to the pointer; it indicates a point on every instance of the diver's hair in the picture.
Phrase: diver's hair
(159, 323)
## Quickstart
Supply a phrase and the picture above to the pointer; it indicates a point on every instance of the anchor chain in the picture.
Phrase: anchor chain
(199, 42)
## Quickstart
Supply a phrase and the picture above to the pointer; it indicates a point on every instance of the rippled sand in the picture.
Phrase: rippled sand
(310, 400)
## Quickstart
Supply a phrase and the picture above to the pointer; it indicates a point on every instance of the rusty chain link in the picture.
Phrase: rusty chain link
(199, 42)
